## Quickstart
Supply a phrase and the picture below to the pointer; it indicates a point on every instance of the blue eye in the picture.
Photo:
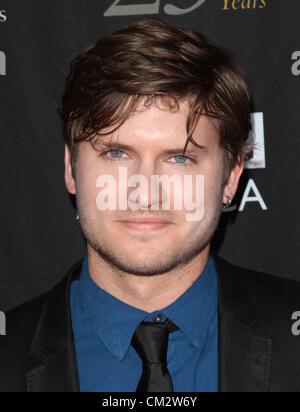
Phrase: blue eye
(116, 154)
(180, 159)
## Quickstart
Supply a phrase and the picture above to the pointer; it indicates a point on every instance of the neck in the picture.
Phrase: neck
(147, 293)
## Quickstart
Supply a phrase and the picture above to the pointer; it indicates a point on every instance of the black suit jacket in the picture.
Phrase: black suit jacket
(257, 350)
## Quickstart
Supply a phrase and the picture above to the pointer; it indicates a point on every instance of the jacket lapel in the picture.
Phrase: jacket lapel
(52, 348)
(244, 358)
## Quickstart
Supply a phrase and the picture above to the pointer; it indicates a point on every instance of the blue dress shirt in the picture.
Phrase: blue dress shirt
(103, 328)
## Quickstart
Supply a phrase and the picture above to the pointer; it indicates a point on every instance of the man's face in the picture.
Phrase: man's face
(149, 143)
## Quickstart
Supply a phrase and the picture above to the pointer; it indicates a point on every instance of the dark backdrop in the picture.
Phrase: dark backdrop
(40, 237)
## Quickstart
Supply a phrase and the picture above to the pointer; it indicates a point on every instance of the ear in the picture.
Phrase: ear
(233, 180)
(69, 178)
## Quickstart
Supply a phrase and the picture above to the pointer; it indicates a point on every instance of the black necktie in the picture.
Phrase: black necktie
(150, 341)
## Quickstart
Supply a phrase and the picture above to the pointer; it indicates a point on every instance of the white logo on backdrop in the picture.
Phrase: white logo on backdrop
(3, 16)
(296, 65)
(2, 64)
(117, 9)
(2, 324)
(258, 161)
(257, 136)
(251, 186)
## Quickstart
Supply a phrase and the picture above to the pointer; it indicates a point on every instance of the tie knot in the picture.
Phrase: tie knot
(150, 341)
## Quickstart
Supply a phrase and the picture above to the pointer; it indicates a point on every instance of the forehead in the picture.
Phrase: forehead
(158, 126)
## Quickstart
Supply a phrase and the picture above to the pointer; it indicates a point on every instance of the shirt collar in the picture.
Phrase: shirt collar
(115, 321)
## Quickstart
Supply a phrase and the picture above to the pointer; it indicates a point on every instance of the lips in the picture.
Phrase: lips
(146, 220)
(146, 224)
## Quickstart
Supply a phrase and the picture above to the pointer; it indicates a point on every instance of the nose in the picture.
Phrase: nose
(141, 195)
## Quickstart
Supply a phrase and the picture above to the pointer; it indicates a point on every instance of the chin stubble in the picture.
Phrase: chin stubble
(177, 260)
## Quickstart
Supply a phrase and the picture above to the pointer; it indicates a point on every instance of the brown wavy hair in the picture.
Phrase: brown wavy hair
(151, 61)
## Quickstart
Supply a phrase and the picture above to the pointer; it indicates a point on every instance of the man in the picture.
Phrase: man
(155, 122)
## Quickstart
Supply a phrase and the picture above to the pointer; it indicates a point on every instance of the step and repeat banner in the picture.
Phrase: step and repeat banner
(40, 236)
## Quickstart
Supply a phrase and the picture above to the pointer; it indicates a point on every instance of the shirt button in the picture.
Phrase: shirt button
(158, 318)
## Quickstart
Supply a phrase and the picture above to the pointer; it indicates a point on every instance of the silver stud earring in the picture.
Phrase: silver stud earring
(77, 217)
(228, 204)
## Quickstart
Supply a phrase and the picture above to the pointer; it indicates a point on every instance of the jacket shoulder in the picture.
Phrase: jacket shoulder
(278, 298)
(24, 317)
(267, 288)
(18, 317)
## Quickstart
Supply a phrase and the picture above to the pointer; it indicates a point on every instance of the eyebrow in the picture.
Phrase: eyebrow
(176, 150)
